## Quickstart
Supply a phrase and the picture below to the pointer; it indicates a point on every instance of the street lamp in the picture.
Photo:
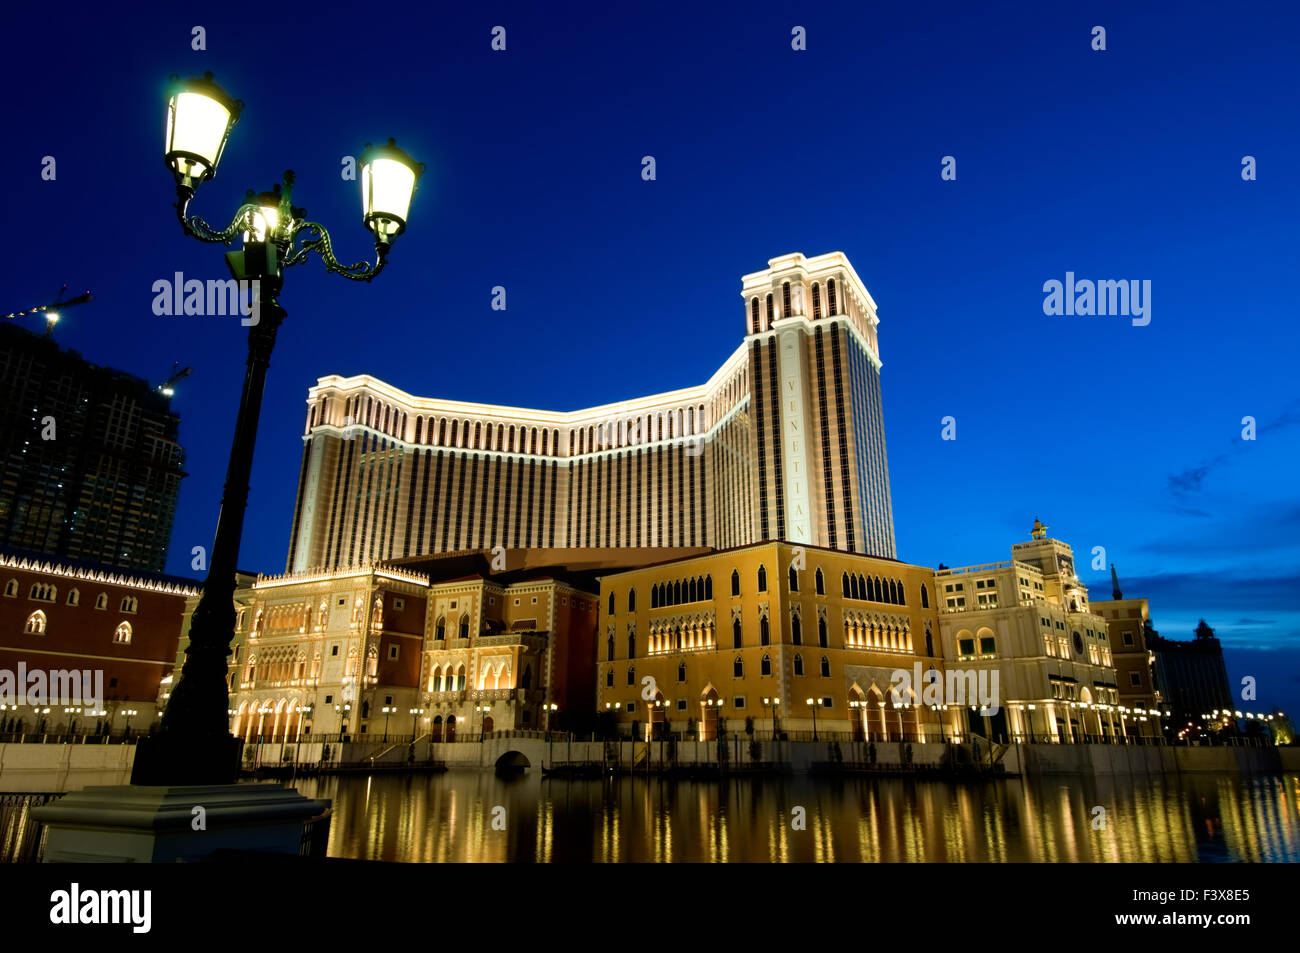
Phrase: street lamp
(129, 712)
(483, 710)
(72, 714)
(772, 702)
(813, 706)
(388, 711)
(194, 746)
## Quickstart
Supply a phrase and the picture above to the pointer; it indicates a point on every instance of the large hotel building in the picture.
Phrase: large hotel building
(784, 442)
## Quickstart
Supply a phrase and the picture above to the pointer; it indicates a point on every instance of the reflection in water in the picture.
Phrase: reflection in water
(448, 818)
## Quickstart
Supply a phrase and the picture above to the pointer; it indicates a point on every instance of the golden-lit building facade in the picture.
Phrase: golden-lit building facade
(1029, 621)
(362, 651)
(784, 442)
(498, 655)
(759, 632)
(1128, 622)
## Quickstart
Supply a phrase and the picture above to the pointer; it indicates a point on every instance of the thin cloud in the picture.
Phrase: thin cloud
(1191, 480)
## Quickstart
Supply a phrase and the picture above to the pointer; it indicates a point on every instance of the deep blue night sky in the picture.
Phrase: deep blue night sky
(1117, 164)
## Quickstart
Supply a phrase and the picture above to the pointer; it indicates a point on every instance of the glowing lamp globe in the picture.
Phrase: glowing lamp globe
(388, 181)
(199, 118)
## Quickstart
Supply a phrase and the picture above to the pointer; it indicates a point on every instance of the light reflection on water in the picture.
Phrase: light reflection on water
(448, 818)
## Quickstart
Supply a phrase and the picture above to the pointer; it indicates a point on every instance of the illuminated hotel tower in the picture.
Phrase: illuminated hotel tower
(785, 441)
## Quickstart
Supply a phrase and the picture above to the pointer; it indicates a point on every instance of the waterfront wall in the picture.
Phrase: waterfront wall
(36, 768)
(40, 768)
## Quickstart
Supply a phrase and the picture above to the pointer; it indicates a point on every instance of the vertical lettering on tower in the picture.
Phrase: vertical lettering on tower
(798, 509)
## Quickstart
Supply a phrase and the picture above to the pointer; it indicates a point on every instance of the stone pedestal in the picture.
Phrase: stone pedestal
(147, 824)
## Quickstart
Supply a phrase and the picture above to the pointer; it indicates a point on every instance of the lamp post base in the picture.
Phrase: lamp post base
(180, 760)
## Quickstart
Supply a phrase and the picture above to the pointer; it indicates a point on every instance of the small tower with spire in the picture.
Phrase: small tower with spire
(1114, 584)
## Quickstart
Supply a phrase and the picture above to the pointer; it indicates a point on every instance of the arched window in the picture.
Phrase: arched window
(821, 583)
(130, 604)
(798, 664)
(708, 587)
(677, 593)
(826, 667)
(893, 593)
(794, 579)
(796, 630)
(764, 632)
(464, 626)
(929, 639)
(440, 630)
(925, 597)
(753, 316)
(785, 300)
(460, 674)
(691, 595)
(735, 633)
(762, 579)
(738, 668)
(631, 675)
(611, 603)
(817, 301)
(11, 588)
(902, 596)
(74, 597)
(631, 645)
(735, 582)
(844, 578)
(765, 667)
(610, 648)
(35, 623)
(769, 311)
(681, 672)
(821, 633)
(122, 635)
(631, 600)
(830, 296)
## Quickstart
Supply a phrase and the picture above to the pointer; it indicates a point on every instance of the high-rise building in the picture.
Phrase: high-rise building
(784, 442)
(90, 467)
(1191, 676)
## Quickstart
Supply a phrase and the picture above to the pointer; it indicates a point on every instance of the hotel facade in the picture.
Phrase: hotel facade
(772, 632)
(784, 442)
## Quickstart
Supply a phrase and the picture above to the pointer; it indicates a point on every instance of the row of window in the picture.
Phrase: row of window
(48, 592)
(440, 628)
(765, 324)
(855, 586)
(737, 702)
(737, 669)
(37, 624)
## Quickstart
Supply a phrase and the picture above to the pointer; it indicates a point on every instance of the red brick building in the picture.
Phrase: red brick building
(66, 614)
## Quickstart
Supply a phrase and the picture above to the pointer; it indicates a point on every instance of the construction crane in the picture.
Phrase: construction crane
(51, 310)
(178, 372)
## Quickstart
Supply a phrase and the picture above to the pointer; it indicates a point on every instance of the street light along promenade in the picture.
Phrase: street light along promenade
(194, 744)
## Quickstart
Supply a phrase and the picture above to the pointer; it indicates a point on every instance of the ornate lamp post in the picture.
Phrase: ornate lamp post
(195, 746)
(773, 703)
(813, 705)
